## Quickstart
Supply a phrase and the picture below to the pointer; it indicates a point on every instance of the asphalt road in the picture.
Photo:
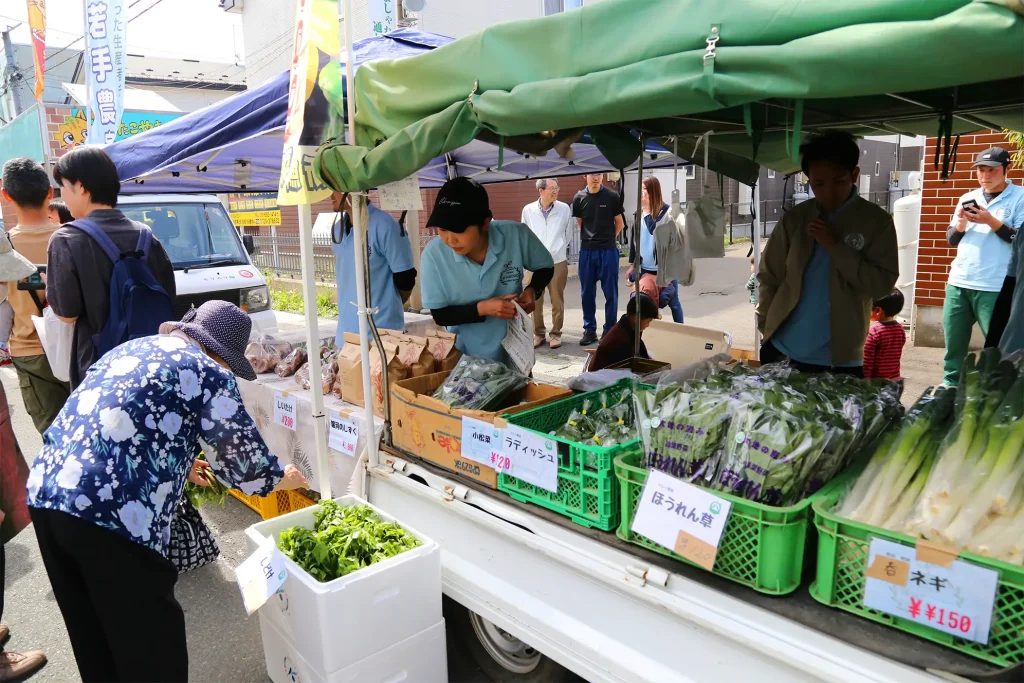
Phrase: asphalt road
(224, 644)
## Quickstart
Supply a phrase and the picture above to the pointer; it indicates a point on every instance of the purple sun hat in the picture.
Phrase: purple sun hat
(224, 329)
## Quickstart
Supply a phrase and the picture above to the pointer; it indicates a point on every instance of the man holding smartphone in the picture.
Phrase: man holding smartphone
(982, 229)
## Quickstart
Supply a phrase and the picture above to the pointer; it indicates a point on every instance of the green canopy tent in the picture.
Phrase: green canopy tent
(759, 74)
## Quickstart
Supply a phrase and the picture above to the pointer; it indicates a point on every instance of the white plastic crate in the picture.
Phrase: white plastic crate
(419, 659)
(341, 622)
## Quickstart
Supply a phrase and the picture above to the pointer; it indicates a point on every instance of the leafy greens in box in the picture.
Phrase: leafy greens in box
(344, 539)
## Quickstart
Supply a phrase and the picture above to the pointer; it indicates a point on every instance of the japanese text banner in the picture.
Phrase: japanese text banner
(313, 82)
(106, 62)
(37, 25)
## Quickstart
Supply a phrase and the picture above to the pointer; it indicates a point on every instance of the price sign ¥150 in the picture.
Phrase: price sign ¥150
(285, 411)
(529, 456)
(949, 595)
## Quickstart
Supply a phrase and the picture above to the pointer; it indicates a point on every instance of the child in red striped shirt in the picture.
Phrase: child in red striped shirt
(883, 348)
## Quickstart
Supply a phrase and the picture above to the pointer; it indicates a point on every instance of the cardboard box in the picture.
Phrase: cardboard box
(427, 428)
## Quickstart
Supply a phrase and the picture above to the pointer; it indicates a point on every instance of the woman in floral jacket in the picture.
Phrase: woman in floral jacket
(104, 487)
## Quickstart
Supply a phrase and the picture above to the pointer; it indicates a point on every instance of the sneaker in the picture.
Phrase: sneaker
(538, 339)
(555, 341)
(16, 665)
(589, 337)
(5, 359)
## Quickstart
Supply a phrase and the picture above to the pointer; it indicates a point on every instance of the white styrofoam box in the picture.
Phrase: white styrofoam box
(421, 658)
(343, 621)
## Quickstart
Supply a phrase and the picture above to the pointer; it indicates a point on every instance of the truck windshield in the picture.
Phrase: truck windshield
(194, 235)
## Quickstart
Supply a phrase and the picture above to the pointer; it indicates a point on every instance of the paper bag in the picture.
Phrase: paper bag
(441, 345)
(349, 383)
(55, 336)
(413, 353)
(395, 369)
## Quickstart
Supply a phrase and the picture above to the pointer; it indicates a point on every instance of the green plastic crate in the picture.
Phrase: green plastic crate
(588, 492)
(843, 550)
(762, 546)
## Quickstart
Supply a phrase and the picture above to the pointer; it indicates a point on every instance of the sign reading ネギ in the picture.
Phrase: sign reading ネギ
(254, 208)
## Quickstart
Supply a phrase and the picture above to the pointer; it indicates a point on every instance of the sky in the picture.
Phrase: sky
(192, 29)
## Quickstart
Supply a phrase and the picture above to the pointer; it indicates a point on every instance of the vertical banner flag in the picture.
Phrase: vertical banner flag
(382, 16)
(37, 26)
(106, 61)
(313, 90)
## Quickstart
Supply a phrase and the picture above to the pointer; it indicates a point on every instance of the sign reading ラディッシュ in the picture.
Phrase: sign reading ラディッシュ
(250, 209)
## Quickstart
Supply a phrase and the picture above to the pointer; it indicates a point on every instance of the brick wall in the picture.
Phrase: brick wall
(939, 198)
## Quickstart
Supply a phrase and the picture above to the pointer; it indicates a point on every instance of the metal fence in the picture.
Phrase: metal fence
(276, 255)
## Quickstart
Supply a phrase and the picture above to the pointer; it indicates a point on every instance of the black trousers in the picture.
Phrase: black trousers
(771, 354)
(117, 599)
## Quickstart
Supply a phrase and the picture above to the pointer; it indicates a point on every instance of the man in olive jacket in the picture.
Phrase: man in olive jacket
(826, 261)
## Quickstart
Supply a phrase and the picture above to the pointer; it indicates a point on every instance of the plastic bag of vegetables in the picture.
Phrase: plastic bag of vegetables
(681, 428)
(479, 384)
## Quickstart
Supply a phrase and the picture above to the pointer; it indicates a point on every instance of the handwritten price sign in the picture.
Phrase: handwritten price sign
(954, 597)
(285, 411)
(343, 433)
(481, 441)
(531, 457)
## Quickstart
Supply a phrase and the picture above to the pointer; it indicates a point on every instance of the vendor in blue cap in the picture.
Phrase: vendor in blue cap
(391, 273)
(474, 272)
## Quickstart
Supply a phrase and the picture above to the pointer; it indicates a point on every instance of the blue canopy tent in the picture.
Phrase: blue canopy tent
(235, 145)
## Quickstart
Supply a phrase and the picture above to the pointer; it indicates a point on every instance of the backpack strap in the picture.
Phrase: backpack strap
(145, 240)
(101, 238)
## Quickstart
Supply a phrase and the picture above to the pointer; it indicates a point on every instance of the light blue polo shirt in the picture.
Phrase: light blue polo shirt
(982, 257)
(449, 279)
(390, 253)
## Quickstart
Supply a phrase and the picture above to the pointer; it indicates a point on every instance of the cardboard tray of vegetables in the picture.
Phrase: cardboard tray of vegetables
(770, 441)
(952, 474)
(358, 580)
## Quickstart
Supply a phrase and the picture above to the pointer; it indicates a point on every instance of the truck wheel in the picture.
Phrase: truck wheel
(496, 653)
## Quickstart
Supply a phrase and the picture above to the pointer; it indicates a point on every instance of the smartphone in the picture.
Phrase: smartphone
(970, 205)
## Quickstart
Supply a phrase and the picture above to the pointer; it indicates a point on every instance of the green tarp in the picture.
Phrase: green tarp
(760, 74)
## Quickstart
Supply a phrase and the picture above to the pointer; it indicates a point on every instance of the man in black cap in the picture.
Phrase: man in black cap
(474, 272)
(981, 229)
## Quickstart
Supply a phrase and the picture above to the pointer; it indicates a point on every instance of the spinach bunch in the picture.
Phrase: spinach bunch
(343, 540)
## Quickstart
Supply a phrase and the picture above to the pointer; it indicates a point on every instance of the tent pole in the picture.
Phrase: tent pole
(636, 242)
(755, 228)
(313, 346)
(359, 227)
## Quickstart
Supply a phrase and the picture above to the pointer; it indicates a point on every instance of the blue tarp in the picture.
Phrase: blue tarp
(235, 145)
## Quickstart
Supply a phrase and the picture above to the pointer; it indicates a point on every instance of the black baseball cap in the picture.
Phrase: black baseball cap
(993, 156)
(460, 203)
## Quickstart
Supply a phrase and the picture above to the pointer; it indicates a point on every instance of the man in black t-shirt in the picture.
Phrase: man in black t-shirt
(78, 270)
(598, 212)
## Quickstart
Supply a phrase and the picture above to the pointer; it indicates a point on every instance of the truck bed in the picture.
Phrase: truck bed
(796, 633)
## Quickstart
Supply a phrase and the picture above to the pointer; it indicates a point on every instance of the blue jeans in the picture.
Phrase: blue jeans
(670, 297)
(599, 265)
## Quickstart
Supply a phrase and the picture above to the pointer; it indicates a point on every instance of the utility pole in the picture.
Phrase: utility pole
(13, 78)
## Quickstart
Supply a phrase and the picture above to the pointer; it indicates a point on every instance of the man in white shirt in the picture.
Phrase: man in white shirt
(550, 220)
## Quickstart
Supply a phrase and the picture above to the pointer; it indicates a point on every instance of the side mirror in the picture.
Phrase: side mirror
(250, 244)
